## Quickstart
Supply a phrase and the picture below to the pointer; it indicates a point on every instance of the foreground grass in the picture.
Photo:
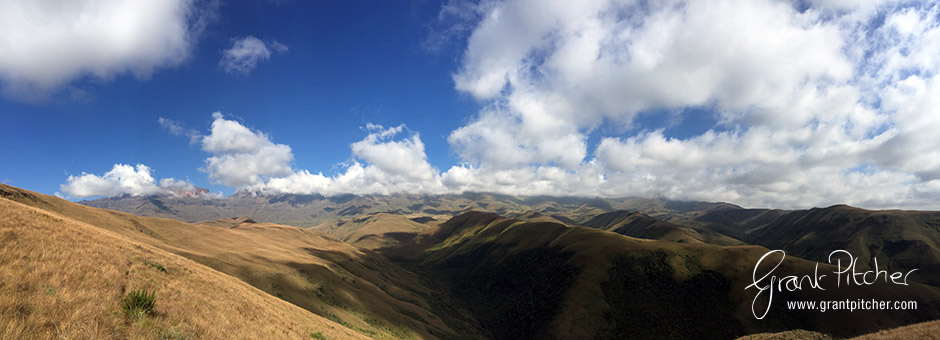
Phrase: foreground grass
(63, 279)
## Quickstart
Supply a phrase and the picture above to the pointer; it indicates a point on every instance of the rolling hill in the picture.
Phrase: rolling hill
(640, 225)
(547, 280)
(376, 230)
(62, 278)
(355, 288)
(899, 239)
(555, 268)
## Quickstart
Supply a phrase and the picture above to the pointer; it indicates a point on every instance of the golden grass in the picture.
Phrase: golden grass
(373, 231)
(798, 334)
(925, 330)
(317, 272)
(64, 279)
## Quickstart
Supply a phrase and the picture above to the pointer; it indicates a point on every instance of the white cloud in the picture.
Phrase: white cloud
(380, 165)
(834, 103)
(241, 157)
(120, 180)
(815, 106)
(246, 53)
(47, 45)
(248, 160)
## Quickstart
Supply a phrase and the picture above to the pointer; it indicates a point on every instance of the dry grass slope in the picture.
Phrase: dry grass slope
(925, 330)
(357, 289)
(63, 279)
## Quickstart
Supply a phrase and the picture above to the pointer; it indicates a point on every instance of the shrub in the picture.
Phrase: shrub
(139, 303)
(156, 266)
(317, 335)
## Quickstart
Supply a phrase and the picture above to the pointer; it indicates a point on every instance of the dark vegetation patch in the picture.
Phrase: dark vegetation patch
(647, 302)
(423, 219)
(517, 297)
(156, 266)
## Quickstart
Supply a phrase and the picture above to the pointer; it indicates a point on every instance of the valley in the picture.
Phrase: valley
(472, 266)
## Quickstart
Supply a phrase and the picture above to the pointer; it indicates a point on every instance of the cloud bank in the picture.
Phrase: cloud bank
(811, 106)
(123, 179)
(47, 45)
(793, 105)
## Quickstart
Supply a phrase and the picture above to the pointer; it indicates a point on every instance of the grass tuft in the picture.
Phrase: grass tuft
(156, 266)
(317, 335)
(139, 303)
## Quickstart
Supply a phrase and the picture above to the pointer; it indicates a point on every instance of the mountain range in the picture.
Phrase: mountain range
(450, 267)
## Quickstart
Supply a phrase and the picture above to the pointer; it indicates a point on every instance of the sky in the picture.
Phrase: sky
(764, 103)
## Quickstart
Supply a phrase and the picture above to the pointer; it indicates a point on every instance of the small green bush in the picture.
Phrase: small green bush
(157, 266)
(317, 335)
(139, 303)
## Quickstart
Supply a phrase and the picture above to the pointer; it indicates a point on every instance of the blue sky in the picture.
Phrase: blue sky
(764, 104)
(349, 63)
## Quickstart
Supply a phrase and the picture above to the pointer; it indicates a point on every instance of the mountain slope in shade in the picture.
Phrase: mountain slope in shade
(61, 278)
(547, 280)
(901, 240)
(640, 225)
(358, 289)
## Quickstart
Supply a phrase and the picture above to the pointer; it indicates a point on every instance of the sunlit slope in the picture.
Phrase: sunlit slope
(62, 279)
(376, 230)
(640, 225)
(544, 280)
(353, 287)
(925, 330)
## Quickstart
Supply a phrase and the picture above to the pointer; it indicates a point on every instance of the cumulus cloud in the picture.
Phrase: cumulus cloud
(120, 180)
(812, 106)
(241, 157)
(380, 164)
(47, 45)
(808, 104)
(246, 53)
(388, 160)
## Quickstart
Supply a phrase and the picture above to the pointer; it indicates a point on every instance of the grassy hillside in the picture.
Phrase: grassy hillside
(376, 230)
(358, 289)
(901, 240)
(640, 225)
(925, 330)
(62, 279)
(554, 281)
